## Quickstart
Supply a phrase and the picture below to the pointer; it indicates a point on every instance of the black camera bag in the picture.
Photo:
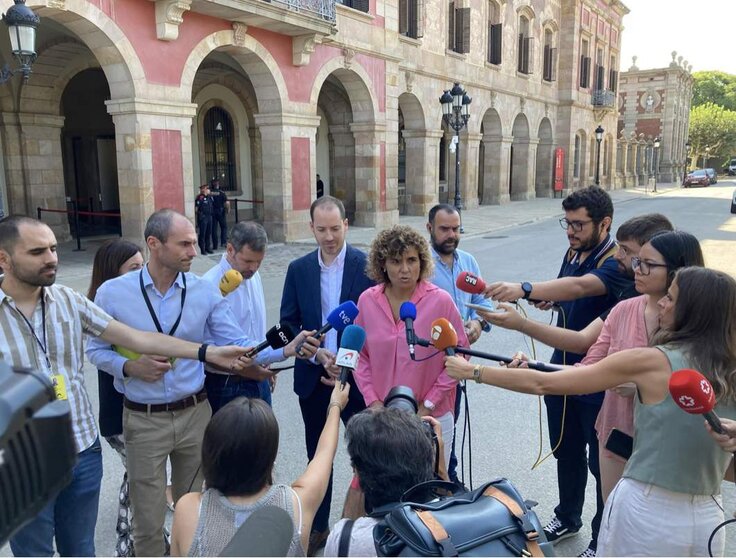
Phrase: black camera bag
(493, 520)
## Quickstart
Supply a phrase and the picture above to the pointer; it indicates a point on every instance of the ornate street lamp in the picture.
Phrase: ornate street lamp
(22, 23)
(687, 152)
(657, 140)
(598, 138)
(456, 112)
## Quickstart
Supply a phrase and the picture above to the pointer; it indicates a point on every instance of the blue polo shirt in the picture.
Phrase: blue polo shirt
(577, 314)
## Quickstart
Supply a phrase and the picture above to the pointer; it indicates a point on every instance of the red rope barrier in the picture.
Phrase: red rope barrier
(99, 213)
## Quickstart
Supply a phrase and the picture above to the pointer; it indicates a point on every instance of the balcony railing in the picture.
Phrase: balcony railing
(324, 9)
(603, 98)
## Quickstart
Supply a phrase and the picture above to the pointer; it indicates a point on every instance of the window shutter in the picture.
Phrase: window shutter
(451, 27)
(553, 64)
(527, 52)
(547, 65)
(612, 80)
(403, 17)
(496, 43)
(462, 30)
(362, 5)
(520, 54)
(584, 71)
(419, 14)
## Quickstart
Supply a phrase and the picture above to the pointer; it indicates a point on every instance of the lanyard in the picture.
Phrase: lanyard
(150, 307)
(43, 325)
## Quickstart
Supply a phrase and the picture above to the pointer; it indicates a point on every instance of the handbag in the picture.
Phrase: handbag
(493, 520)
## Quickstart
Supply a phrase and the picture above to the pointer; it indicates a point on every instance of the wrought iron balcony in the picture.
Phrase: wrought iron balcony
(603, 98)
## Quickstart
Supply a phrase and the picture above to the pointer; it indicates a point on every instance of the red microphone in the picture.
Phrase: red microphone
(693, 393)
(470, 283)
(444, 336)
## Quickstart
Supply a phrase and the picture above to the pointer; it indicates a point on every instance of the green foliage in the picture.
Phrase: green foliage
(714, 127)
(718, 88)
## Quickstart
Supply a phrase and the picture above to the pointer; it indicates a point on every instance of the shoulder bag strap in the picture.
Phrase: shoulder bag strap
(439, 534)
(343, 547)
(530, 533)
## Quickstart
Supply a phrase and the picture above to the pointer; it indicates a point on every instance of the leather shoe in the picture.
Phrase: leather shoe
(317, 539)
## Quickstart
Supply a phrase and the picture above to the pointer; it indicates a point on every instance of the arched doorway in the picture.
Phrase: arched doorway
(490, 162)
(412, 156)
(543, 179)
(519, 172)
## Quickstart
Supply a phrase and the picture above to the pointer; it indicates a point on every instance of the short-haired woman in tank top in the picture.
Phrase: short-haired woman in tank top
(238, 454)
(668, 500)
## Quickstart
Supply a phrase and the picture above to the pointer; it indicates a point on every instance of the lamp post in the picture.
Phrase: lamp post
(656, 160)
(22, 23)
(684, 170)
(598, 138)
(456, 112)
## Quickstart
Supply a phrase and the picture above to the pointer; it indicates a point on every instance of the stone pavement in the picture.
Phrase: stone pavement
(75, 267)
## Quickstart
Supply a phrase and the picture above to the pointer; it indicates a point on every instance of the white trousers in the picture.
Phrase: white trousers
(447, 422)
(645, 520)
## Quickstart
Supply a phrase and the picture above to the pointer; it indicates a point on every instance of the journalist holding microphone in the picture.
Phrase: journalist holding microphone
(400, 262)
(668, 501)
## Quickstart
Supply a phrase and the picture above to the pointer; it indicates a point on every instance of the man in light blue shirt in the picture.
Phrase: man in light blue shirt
(165, 404)
(246, 248)
(444, 231)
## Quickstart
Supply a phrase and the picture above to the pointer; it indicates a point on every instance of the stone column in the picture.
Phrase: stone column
(496, 169)
(154, 158)
(371, 190)
(469, 169)
(34, 169)
(422, 181)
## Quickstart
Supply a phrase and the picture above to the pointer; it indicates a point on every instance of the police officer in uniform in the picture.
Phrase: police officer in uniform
(204, 206)
(219, 219)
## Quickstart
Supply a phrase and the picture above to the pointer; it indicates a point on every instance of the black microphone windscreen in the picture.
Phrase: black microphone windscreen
(280, 335)
(267, 532)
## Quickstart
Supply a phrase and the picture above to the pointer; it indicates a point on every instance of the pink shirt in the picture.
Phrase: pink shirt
(385, 362)
(625, 328)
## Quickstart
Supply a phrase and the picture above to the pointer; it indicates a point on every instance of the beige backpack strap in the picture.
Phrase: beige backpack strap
(531, 535)
(440, 536)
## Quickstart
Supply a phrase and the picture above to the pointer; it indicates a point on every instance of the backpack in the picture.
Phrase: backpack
(492, 520)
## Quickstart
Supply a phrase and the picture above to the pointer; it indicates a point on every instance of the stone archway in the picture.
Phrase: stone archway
(545, 151)
(519, 176)
(492, 165)
(414, 153)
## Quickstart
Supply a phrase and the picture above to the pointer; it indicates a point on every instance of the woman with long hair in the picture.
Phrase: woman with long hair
(238, 474)
(114, 258)
(668, 501)
(400, 263)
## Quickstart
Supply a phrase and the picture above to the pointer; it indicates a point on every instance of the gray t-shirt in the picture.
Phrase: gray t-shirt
(361, 538)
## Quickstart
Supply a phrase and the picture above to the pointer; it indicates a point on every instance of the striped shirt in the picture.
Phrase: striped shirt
(69, 315)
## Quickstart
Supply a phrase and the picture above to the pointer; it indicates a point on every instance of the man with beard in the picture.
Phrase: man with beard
(589, 283)
(42, 326)
(444, 233)
(165, 406)
(245, 251)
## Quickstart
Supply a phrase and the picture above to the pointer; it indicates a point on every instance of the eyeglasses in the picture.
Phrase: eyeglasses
(644, 267)
(577, 226)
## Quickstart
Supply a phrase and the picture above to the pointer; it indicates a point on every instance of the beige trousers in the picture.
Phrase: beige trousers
(149, 440)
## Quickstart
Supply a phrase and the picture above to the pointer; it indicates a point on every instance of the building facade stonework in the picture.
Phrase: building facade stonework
(134, 103)
(654, 104)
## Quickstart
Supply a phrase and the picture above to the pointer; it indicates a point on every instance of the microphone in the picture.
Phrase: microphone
(351, 343)
(267, 532)
(408, 313)
(277, 337)
(470, 283)
(444, 336)
(340, 317)
(693, 393)
(230, 281)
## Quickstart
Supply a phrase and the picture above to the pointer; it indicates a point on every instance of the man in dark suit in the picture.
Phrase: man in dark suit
(315, 285)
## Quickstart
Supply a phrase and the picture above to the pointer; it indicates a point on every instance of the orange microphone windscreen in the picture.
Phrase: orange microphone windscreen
(443, 335)
(692, 391)
(470, 283)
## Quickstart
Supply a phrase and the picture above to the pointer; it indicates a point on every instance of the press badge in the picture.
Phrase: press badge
(57, 380)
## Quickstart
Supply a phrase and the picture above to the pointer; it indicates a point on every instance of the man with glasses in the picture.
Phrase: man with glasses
(589, 283)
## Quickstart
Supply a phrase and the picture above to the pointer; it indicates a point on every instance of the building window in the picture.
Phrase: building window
(361, 5)
(219, 148)
(458, 28)
(495, 33)
(613, 75)
(409, 18)
(576, 158)
(524, 55)
(550, 57)
(600, 70)
(584, 65)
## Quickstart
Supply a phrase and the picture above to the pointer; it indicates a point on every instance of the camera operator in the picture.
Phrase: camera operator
(391, 450)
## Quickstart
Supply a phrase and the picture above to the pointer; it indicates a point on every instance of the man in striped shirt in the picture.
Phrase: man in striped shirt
(42, 327)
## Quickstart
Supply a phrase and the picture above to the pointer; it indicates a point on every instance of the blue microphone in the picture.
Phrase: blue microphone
(338, 319)
(353, 339)
(408, 313)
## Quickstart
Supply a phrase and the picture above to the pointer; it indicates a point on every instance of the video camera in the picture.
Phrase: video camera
(403, 399)
(37, 450)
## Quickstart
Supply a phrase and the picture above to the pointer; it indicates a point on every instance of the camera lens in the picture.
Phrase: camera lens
(401, 398)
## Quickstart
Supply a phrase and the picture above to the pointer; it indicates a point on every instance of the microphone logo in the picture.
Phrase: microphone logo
(436, 332)
(345, 318)
(283, 337)
(471, 280)
(686, 401)
(705, 386)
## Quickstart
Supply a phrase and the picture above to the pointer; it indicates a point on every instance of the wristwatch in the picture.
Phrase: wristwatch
(526, 286)
(429, 405)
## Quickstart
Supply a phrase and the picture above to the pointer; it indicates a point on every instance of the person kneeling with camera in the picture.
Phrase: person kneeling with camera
(391, 450)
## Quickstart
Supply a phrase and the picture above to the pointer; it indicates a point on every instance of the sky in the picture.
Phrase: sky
(702, 31)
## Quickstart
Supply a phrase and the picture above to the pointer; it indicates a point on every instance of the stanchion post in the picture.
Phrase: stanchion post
(237, 217)
(75, 209)
(38, 212)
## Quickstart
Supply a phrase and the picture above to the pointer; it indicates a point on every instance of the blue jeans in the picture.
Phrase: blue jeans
(71, 517)
(221, 390)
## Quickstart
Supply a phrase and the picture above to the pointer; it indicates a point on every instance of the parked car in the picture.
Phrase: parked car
(733, 202)
(712, 175)
(732, 167)
(698, 177)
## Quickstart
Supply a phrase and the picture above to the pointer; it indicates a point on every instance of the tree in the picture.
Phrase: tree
(714, 87)
(714, 127)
